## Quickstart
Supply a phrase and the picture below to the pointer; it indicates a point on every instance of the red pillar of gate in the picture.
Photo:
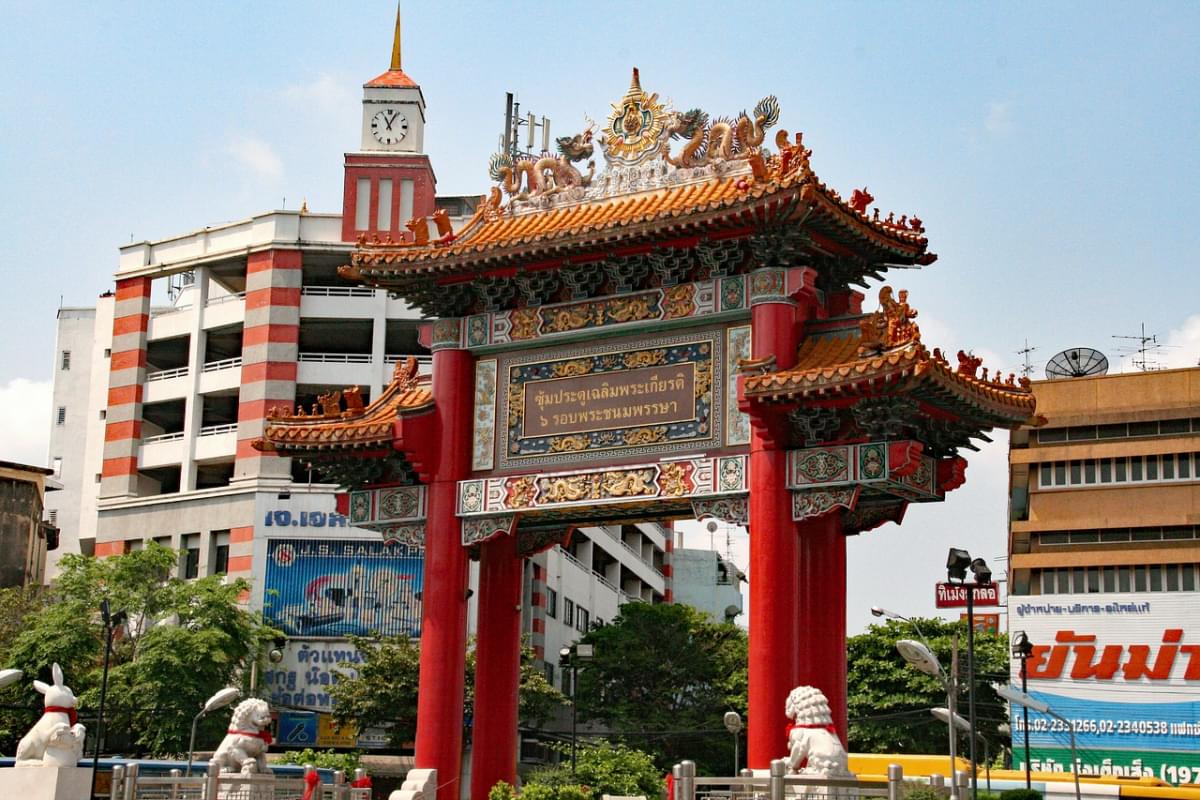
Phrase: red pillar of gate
(773, 552)
(497, 666)
(444, 590)
(822, 637)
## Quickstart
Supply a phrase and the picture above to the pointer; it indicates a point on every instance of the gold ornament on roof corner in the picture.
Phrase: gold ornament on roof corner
(891, 326)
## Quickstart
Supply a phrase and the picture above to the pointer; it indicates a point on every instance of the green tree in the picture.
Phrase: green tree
(384, 692)
(889, 700)
(183, 641)
(601, 768)
(662, 678)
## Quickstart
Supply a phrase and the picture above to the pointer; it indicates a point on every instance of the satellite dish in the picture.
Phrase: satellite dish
(1077, 362)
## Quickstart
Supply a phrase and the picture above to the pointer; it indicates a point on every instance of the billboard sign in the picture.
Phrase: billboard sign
(984, 623)
(953, 595)
(343, 587)
(1125, 670)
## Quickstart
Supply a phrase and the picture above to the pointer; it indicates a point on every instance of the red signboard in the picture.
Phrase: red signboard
(984, 623)
(952, 595)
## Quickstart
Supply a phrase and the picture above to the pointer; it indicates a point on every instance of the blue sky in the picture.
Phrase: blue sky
(1050, 148)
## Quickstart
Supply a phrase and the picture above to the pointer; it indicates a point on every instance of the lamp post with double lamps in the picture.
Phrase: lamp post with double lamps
(570, 657)
(957, 563)
(1022, 648)
(920, 655)
(111, 623)
(1020, 698)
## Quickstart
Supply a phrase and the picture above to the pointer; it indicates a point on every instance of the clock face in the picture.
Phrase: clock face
(389, 126)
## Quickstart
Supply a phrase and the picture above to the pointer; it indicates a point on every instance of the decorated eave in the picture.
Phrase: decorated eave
(880, 355)
(340, 425)
(721, 184)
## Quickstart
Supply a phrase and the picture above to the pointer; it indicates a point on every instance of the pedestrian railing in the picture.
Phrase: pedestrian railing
(778, 784)
(127, 784)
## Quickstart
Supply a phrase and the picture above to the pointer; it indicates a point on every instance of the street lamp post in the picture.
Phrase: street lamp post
(920, 655)
(1023, 648)
(219, 700)
(1024, 700)
(570, 656)
(733, 724)
(945, 715)
(957, 564)
(111, 621)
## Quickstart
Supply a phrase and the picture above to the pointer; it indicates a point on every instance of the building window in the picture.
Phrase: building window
(57, 465)
(548, 671)
(220, 559)
(99, 477)
(62, 415)
(66, 359)
(582, 618)
(383, 215)
(568, 613)
(1138, 578)
(551, 603)
(362, 204)
(52, 516)
(104, 413)
(108, 352)
(190, 557)
(1167, 468)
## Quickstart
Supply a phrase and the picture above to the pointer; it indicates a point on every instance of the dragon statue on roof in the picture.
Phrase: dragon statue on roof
(722, 139)
(549, 174)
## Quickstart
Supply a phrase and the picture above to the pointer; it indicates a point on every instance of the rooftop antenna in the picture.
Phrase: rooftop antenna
(514, 122)
(1146, 353)
(1026, 370)
(1077, 362)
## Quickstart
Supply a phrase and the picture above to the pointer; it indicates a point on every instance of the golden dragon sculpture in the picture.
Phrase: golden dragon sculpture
(528, 178)
(722, 139)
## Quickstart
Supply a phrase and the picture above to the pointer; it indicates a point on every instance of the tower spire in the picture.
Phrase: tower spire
(396, 40)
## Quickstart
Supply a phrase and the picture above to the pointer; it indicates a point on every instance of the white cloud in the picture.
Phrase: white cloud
(256, 155)
(325, 93)
(25, 423)
(999, 118)
(1183, 344)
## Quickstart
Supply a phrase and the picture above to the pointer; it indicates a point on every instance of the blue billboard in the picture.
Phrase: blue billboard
(343, 587)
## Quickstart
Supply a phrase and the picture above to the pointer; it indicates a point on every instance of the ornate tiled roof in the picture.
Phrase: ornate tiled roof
(721, 183)
(391, 79)
(882, 354)
(333, 428)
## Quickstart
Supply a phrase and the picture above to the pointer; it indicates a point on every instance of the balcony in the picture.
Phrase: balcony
(227, 309)
(221, 375)
(166, 384)
(424, 363)
(335, 369)
(337, 301)
(216, 441)
(164, 450)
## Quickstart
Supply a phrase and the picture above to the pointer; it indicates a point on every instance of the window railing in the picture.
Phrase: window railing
(166, 374)
(225, 363)
(225, 298)
(163, 437)
(335, 358)
(336, 291)
(217, 430)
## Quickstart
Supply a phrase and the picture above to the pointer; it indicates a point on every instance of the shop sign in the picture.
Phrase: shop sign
(954, 595)
(1124, 671)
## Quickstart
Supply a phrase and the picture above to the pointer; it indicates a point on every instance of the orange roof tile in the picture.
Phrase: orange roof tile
(373, 427)
(392, 78)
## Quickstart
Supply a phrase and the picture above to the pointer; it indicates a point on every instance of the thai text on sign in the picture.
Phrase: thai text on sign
(953, 595)
(617, 399)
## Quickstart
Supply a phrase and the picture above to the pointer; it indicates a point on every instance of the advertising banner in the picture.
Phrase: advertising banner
(343, 587)
(1124, 669)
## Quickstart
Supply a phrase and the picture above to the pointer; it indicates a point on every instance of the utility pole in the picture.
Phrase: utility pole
(952, 699)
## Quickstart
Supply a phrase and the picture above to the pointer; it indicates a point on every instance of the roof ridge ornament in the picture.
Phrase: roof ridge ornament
(891, 326)
(396, 41)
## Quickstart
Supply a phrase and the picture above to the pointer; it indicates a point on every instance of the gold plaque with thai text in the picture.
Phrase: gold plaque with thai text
(601, 401)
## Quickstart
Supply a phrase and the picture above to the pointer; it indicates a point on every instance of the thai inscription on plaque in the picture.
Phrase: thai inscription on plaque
(629, 398)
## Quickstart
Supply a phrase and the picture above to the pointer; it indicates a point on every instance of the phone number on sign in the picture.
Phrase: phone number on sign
(1117, 727)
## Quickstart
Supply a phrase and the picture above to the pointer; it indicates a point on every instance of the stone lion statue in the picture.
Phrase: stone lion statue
(56, 740)
(244, 748)
(813, 744)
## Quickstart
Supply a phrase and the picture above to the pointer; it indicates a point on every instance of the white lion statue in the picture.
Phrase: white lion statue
(813, 744)
(244, 748)
(57, 738)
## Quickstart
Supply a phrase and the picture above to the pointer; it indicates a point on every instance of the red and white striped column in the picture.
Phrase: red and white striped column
(126, 382)
(270, 343)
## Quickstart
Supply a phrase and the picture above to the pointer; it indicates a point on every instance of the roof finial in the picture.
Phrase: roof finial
(396, 40)
(636, 83)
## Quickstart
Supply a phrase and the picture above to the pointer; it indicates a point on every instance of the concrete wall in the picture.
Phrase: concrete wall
(22, 546)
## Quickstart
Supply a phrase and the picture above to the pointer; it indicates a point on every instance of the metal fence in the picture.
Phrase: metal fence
(778, 784)
(127, 784)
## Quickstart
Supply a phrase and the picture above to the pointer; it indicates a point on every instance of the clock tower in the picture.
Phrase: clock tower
(389, 180)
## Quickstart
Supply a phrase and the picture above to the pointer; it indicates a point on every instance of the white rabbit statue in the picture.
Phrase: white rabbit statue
(57, 738)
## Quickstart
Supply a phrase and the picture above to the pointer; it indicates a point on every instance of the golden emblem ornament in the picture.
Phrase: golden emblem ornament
(673, 480)
(637, 127)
